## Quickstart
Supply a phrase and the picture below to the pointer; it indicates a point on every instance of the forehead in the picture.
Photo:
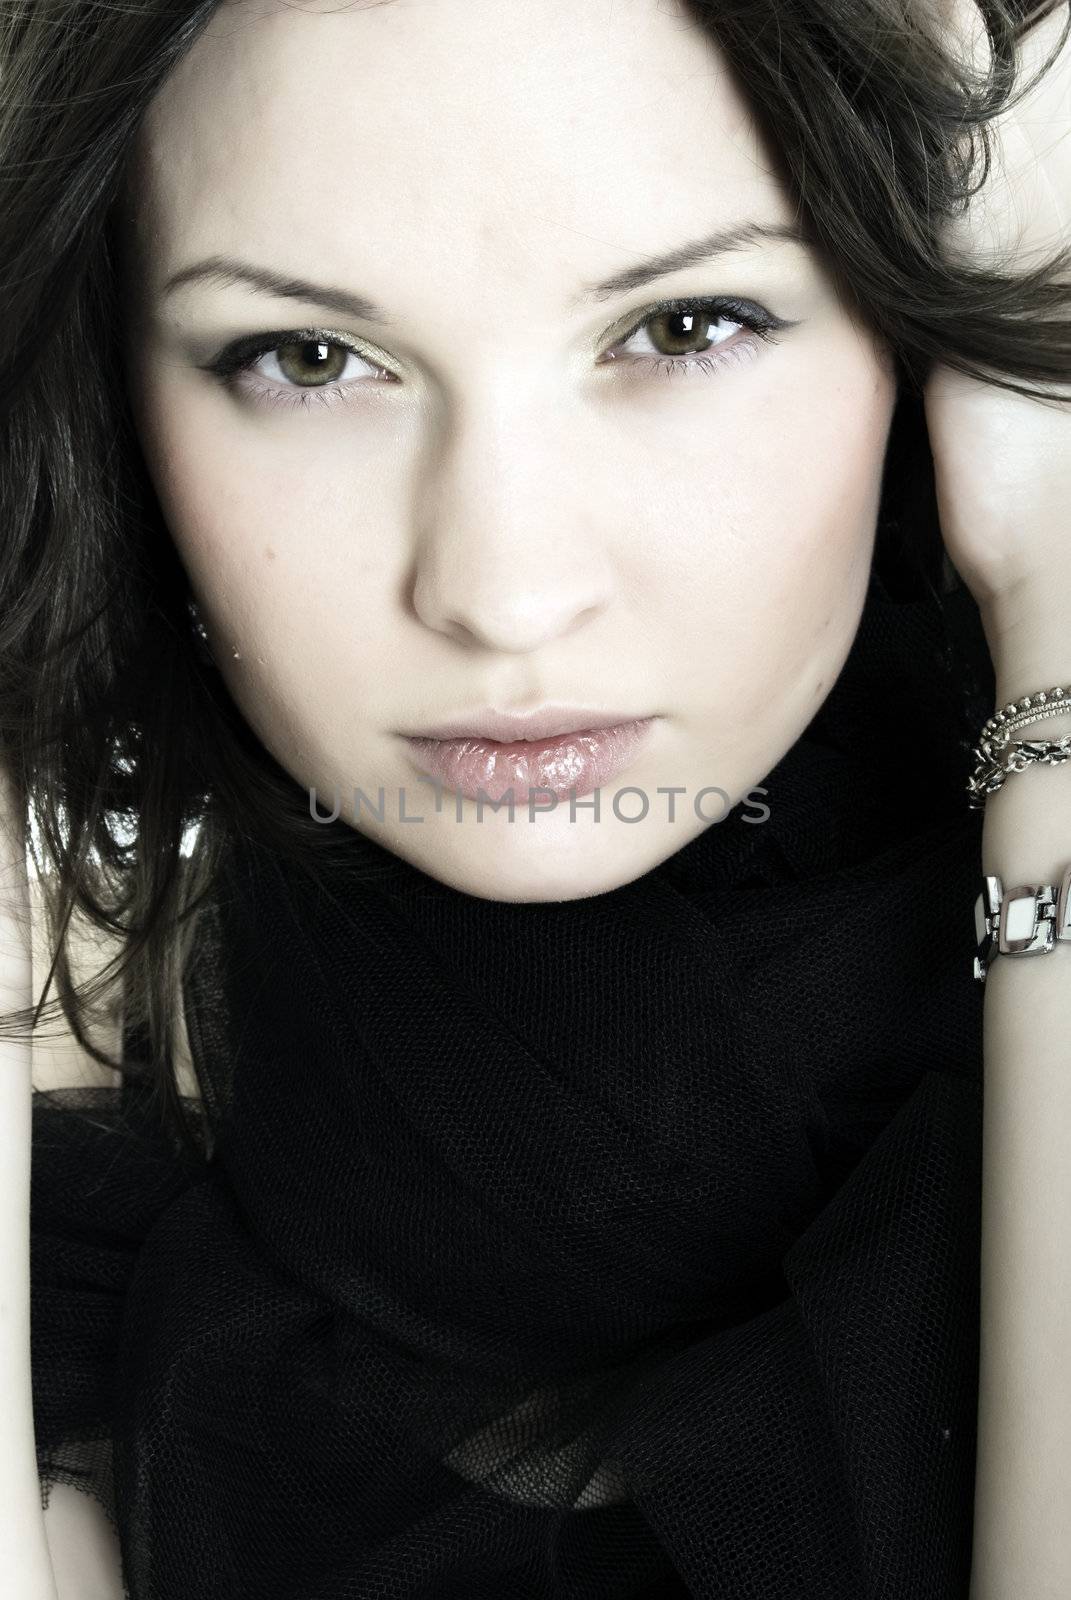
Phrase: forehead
(534, 138)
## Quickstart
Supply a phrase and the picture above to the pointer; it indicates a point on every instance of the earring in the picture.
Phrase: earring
(204, 653)
(200, 632)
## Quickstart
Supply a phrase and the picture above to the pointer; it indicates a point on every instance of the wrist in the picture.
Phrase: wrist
(1029, 639)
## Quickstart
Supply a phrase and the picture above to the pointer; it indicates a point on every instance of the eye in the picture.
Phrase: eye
(307, 366)
(296, 368)
(308, 363)
(701, 335)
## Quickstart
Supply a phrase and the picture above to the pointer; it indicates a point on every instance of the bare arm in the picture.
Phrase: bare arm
(24, 1552)
(69, 1551)
(1022, 1531)
(1002, 469)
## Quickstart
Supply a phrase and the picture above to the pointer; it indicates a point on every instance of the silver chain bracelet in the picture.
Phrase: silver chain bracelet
(992, 769)
(1031, 918)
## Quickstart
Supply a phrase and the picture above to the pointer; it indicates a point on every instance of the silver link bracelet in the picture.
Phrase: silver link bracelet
(1029, 919)
(1000, 929)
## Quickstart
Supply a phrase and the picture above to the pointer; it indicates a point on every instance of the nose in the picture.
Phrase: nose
(509, 552)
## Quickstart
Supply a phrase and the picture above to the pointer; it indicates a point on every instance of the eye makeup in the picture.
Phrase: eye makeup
(235, 365)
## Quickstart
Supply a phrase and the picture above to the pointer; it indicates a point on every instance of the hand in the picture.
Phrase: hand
(1002, 463)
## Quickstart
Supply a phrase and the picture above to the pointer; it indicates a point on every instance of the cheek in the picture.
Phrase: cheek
(771, 568)
(269, 527)
(272, 543)
(742, 563)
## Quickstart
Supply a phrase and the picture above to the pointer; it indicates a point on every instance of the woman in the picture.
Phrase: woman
(573, 1197)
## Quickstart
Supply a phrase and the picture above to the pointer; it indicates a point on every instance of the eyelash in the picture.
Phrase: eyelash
(233, 366)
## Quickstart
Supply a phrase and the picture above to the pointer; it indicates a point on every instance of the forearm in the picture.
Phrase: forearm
(24, 1555)
(1022, 1530)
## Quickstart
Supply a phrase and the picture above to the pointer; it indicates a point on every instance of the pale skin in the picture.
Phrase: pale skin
(513, 521)
(1004, 484)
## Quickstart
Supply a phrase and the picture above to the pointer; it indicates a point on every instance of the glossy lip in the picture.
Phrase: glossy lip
(544, 722)
(571, 763)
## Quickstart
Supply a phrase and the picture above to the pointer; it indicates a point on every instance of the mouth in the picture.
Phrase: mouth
(510, 727)
(544, 759)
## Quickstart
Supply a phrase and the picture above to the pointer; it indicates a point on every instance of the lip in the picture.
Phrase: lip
(509, 726)
(559, 751)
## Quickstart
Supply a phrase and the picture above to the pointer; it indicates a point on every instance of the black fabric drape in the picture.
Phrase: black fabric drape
(606, 1248)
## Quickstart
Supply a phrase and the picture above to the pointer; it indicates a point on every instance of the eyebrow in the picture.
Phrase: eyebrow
(227, 271)
(721, 243)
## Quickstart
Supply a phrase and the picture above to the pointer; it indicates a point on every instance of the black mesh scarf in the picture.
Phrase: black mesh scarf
(607, 1248)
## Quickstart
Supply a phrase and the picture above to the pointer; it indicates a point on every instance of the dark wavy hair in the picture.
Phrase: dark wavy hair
(120, 739)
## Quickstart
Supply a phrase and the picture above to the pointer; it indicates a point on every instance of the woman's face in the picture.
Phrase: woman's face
(460, 478)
